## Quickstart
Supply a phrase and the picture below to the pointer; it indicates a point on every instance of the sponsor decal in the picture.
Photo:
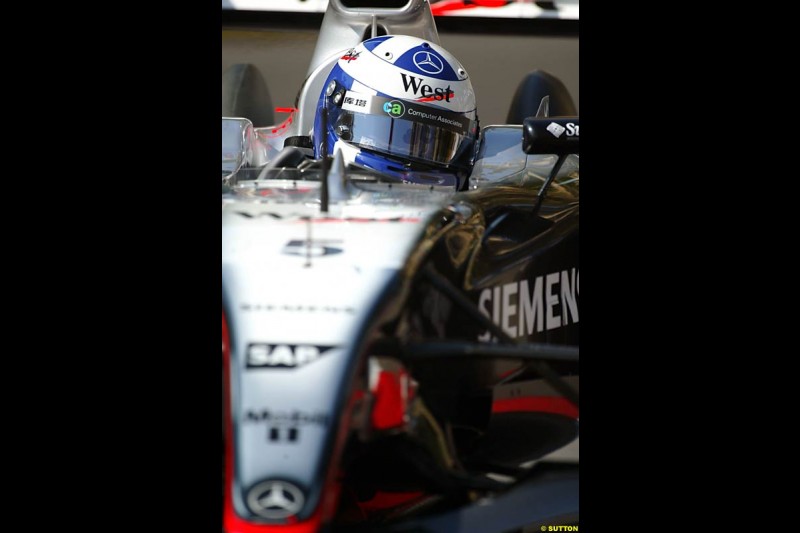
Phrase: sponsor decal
(434, 117)
(556, 129)
(523, 307)
(424, 114)
(410, 110)
(262, 355)
(428, 62)
(361, 103)
(295, 418)
(275, 499)
(314, 248)
(394, 108)
(296, 308)
(277, 434)
(357, 102)
(426, 92)
(572, 129)
(284, 426)
(351, 55)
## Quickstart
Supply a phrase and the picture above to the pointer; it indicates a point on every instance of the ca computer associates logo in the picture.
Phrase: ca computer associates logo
(556, 129)
(428, 63)
(394, 108)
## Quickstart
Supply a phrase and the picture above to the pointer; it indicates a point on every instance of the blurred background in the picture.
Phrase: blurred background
(496, 51)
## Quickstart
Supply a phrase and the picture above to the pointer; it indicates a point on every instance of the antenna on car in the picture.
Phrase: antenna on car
(325, 162)
(544, 112)
(548, 181)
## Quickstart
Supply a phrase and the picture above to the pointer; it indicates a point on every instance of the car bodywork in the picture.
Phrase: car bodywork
(394, 353)
(565, 9)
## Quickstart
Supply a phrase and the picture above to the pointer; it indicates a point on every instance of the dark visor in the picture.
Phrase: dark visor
(403, 129)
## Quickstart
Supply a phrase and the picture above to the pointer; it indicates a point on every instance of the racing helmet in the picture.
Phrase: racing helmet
(408, 107)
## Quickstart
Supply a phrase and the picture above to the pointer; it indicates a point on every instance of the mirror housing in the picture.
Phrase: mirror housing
(552, 135)
(237, 141)
(242, 148)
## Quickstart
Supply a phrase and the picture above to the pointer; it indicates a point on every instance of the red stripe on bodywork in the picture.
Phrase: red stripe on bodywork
(441, 8)
(286, 123)
(388, 410)
(388, 500)
(237, 525)
(228, 512)
(492, 3)
(544, 404)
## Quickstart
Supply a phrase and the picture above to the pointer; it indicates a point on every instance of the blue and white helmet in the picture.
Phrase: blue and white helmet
(407, 104)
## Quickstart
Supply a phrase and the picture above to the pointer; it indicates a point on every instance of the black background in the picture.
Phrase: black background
(112, 278)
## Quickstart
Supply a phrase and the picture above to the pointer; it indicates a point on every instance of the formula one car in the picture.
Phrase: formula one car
(400, 317)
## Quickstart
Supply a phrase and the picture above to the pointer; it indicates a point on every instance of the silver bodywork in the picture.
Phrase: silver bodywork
(304, 296)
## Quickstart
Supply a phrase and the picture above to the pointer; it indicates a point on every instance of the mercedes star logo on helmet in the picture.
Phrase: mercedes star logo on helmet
(275, 499)
(427, 62)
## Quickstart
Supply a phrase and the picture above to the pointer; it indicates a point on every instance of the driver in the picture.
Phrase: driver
(403, 106)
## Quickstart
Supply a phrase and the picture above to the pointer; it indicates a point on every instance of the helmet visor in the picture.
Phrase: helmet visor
(405, 129)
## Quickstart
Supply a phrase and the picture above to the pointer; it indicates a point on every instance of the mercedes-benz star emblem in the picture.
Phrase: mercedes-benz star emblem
(427, 62)
(275, 499)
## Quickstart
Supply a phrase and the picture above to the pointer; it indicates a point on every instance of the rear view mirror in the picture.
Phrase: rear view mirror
(552, 135)
(237, 141)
